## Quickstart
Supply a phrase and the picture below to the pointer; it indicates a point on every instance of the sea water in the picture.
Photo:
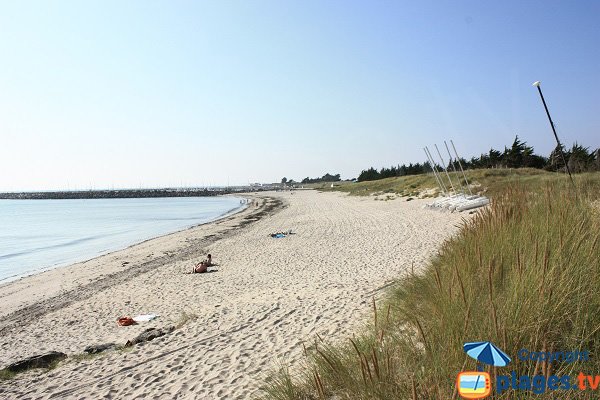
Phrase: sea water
(36, 235)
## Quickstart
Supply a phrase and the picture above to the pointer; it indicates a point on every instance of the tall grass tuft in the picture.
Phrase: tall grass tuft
(523, 273)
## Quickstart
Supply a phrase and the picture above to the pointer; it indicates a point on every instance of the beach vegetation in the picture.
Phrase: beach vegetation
(185, 318)
(85, 356)
(325, 178)
(6, 374)
(521, 273)
(481, 181)
(517, 155)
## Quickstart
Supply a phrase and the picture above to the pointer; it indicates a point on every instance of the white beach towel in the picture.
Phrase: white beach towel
(145, 317)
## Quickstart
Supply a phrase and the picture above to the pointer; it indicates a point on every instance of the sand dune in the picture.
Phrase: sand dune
(268, 296)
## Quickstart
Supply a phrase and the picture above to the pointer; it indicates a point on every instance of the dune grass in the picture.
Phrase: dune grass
(489, 181)
(6, 375)
(522, 273)
(185, 318)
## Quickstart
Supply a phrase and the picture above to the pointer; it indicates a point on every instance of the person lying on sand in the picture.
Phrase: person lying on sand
(281, 234)
(202, 266)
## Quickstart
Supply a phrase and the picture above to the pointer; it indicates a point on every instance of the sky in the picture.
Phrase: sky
(135, 94)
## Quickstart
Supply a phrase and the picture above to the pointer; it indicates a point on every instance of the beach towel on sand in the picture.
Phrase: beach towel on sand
(144, 317)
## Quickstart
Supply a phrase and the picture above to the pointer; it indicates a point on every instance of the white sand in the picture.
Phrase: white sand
(268, 296)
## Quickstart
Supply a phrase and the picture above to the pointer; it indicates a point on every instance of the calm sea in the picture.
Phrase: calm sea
(39, 234)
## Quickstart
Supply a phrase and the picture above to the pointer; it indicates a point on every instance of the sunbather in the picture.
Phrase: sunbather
(281, 234)
(202, 266)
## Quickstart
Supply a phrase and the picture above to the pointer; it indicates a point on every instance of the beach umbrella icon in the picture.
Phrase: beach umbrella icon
(487, 353)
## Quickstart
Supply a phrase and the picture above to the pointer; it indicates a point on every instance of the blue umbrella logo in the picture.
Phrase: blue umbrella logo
(487, 353)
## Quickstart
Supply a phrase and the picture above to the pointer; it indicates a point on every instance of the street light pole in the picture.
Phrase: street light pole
(537, 85)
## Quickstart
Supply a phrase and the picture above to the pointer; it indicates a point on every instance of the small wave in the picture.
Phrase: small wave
(54, 246)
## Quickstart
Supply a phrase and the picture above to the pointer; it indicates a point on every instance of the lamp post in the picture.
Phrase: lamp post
(562, 155)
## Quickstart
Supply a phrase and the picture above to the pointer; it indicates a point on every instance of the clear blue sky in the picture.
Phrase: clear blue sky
(170, 93)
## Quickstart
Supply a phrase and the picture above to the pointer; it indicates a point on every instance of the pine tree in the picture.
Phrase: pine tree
(580, 159)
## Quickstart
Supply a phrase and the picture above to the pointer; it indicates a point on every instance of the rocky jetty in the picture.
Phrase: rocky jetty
(113, 194)
(132, 193)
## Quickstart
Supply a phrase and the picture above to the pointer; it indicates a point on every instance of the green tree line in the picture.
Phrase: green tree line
(325, 178)
(518, 155)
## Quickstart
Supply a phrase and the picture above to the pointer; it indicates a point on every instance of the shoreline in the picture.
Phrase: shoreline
(232, 216)
(268, 297)
(84, 259)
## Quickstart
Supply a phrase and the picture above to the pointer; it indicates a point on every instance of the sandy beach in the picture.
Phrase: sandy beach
(233, 326)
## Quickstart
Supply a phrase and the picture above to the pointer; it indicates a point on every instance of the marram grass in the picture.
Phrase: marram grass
(523, 273)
